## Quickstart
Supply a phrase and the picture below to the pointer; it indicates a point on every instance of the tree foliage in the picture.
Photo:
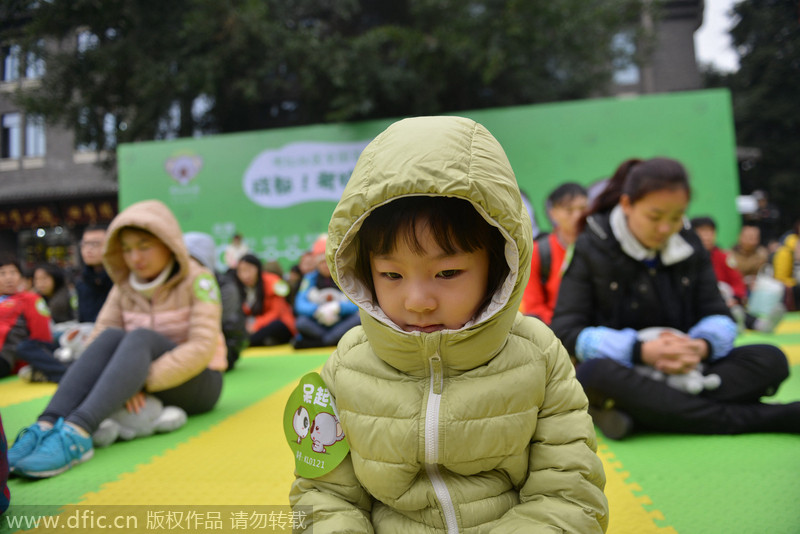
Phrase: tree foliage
(765, 93)
(180, 67)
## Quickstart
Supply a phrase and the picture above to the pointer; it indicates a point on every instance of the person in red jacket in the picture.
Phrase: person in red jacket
(23, 315)
(731, 281)
(270, 320)
(565, 206)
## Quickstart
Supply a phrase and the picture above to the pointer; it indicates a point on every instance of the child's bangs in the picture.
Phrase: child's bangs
(454, 224)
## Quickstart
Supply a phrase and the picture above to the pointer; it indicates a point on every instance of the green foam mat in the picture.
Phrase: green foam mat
(253, 379)
(743, 484)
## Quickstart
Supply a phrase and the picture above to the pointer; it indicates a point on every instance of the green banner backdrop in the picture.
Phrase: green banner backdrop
(278, 187)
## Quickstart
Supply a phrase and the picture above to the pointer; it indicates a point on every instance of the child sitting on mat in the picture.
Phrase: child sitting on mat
(460, 413)
(159, 332)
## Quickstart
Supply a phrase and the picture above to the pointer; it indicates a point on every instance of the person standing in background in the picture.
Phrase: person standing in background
(234, 251)
(766, 217)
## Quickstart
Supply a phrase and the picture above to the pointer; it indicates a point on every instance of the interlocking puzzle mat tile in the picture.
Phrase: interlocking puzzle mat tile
(237, 455)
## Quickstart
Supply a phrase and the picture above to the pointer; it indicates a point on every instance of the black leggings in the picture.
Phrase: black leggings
(112, 369)
(748, 373)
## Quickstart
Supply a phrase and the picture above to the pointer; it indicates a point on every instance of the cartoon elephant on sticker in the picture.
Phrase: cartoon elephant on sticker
(325, 431)
(301, 423)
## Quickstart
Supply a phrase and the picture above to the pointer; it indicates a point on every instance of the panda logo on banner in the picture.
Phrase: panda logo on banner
(312, 428)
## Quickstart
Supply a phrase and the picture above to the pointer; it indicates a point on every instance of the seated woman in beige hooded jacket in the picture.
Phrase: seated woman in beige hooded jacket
(461, 414)
(159, 332)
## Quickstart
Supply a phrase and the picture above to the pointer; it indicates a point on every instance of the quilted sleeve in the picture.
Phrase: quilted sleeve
(564, 488)
(336, 502)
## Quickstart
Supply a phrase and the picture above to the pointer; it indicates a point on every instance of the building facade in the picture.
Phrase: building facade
(50, 189)
(663, 44)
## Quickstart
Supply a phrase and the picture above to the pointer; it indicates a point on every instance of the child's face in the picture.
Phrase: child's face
(708, 236)
(247, 273)
(655, 217)
(307, 263)
(10, 278)
(429, 291)
(43, 283)
(144, 253)
(567, 213)
(750, 237)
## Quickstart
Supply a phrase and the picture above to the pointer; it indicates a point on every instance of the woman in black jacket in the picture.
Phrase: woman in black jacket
(640, 296)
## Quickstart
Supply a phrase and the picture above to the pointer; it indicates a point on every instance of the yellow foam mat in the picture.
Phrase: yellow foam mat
(17, 391)
(792, 353)
(791, 326)
(627, 511)
(243, 460)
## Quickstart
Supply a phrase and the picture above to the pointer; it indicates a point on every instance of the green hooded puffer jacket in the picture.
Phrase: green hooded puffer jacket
(481, 429)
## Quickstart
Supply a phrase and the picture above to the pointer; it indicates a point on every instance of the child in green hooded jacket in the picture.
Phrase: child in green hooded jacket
(461, 414)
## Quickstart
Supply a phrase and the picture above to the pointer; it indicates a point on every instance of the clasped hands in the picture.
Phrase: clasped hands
(673, 353)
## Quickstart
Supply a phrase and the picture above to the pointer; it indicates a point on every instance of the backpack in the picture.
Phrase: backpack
(545, 256)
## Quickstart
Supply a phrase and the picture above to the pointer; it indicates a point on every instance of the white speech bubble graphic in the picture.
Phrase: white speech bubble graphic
(301, 172)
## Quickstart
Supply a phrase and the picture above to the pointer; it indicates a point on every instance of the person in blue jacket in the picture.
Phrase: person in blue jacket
(323, 313)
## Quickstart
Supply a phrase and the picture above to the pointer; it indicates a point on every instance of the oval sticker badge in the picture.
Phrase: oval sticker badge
(312, 428)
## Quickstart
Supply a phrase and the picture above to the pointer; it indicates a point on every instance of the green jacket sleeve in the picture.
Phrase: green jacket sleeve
(336, 501)
(564, 489)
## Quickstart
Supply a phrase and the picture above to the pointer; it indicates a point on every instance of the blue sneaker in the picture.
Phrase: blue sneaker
(27, 441)
(60, 449)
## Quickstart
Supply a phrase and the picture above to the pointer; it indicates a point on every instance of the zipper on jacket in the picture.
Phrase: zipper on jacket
(432, 445)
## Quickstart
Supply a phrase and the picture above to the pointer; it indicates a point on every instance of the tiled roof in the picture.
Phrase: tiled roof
(32, 191)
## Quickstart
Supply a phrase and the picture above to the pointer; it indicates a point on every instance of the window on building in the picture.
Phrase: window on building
(34, 63)
(169, 126)
(200, 107)
(84, 129)
(10, 136)
(87, 124)
(34, 136)
(11, 55)
(626, 72)
(109, 131)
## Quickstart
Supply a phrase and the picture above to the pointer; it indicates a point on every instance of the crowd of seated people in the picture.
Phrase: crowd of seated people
(641, 297)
